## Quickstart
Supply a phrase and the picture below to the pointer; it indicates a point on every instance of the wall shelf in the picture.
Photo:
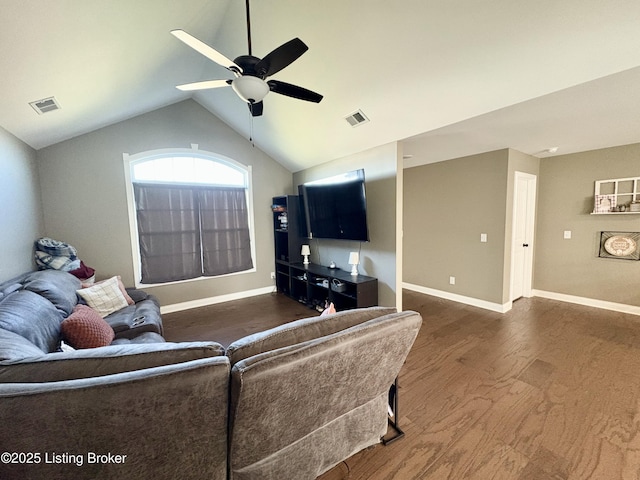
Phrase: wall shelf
(610, 194)
(614, 213)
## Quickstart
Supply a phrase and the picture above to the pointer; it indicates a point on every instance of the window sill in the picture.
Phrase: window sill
(190, 280)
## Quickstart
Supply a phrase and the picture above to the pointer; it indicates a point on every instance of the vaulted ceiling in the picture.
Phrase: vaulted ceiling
(449, 77)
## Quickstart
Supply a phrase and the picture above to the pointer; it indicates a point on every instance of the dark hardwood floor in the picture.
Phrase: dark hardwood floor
(549, 390)
(229, 321)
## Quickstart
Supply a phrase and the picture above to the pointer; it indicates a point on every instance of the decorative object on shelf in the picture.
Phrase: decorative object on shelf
(305, 252)
(283, 221)
(338, 286)
(617, 195)
(621, 245)
(604, 203)
(354, 260)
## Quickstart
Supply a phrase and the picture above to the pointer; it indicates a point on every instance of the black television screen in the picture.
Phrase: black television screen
(336, 207)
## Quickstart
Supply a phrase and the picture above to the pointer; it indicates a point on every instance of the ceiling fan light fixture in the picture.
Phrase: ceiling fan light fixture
(250, 89)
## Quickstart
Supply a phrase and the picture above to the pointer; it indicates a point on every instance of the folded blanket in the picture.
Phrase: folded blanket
(56, 248)
(45, 261)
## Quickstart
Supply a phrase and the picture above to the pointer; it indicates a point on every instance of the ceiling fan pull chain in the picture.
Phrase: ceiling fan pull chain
(251, 132)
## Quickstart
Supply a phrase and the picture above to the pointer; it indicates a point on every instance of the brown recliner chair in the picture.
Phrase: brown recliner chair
(309, 394)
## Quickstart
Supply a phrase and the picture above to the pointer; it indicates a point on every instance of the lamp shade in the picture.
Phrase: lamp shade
(305, 250)
(354, 260)
(250, 89)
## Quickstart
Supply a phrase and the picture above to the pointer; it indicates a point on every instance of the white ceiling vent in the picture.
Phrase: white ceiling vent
(45, 105)
(357, 118)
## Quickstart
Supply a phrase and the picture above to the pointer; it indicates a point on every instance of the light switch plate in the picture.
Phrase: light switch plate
(567, 234)
(483, 237)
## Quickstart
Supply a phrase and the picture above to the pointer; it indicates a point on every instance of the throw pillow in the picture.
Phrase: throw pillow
(120, 286)
(104, 297)
(85, 328)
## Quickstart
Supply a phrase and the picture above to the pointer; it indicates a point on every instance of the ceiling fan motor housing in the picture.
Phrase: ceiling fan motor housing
(248, 64)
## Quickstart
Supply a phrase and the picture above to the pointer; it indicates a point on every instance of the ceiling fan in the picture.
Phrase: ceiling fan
(250, 72)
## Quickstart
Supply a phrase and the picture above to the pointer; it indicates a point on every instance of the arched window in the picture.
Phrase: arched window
(190, 215)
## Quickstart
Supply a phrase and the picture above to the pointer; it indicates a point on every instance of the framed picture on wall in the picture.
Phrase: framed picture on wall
(621, 245)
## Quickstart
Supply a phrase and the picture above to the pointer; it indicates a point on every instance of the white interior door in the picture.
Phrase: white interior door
(524, 203)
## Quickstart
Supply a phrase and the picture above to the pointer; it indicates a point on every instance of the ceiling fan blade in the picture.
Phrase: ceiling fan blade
(294, 91)
(206, 50)
(204, 85)
(281, 57)
(256, 108)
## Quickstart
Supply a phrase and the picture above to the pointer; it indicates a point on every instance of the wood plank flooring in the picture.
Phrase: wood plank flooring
(549, 390)
(229, 321)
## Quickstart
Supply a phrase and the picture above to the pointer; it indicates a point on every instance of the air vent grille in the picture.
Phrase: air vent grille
(45, 105)
(357, 118)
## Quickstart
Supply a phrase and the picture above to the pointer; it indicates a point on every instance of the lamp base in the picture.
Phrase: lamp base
(306, 260)
(354, 269)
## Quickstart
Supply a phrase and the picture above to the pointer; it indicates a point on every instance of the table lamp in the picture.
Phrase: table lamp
(305, 252)
(354, 260)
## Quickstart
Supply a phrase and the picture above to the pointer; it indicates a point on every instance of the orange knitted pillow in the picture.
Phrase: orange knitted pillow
(85, 328)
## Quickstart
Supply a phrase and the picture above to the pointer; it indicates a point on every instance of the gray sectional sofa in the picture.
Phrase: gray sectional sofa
(286, 403)
(34, 305)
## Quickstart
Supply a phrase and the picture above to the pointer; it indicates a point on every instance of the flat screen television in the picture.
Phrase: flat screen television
(336, 207)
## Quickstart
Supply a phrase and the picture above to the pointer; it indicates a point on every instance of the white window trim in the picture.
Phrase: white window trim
(130, 160)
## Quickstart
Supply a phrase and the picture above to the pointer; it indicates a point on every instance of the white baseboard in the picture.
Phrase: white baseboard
(203, 302)
(475, 302)
(588, 302)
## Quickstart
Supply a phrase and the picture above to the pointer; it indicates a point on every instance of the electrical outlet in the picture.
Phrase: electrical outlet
(273, 275)
(483, 237)
(452, 280)
(567, 234)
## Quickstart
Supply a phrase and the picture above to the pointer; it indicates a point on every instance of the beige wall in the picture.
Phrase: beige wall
(565, 192)
(378, 256)
(83, 191)
(447, 206)
(21, 219)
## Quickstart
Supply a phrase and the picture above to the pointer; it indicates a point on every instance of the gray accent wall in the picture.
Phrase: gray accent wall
(378, 256)
(21, 218)
(447, 206)
(572, 267)
(84, 197)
